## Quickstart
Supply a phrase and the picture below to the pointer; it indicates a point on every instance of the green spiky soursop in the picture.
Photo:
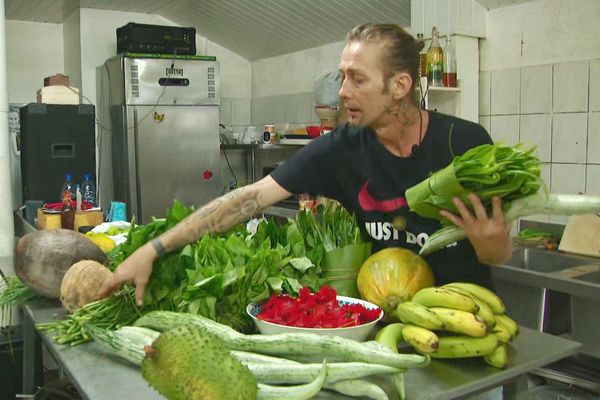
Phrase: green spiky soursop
(186, 363)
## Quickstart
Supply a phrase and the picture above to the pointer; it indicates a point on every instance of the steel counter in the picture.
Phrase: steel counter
(100, 374)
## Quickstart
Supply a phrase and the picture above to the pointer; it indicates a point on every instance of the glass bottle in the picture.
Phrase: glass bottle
(449, 63)
(422, 57)
(67, 213)
(435, 60)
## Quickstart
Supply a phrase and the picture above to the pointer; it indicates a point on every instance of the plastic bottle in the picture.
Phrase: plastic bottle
(449, 63)
(88, 189)
(435, 60)
(69, 186)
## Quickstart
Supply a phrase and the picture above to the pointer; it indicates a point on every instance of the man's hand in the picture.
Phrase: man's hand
(137, 269)
(489, 235)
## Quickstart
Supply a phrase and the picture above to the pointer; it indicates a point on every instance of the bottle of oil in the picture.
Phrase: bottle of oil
(449, 63)
(435, 60)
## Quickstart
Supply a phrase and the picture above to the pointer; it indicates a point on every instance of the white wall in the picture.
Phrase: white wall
(72, 48)
(540, 85)
(236, 84)
(99, 40)
(456, 17)
(34, 51)
(552, 31)
(282, 86)
(294, 72)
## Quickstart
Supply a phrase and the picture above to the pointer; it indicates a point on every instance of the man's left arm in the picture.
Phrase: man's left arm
(489, 234)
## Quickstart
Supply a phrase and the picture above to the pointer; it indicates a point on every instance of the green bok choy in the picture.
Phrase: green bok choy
(489, 170)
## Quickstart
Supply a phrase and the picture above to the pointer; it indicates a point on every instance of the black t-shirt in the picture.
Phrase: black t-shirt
(353, 167)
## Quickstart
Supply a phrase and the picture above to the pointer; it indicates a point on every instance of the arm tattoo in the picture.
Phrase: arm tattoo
(217, 216)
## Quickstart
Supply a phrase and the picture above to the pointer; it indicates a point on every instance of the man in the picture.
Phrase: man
(389, 145)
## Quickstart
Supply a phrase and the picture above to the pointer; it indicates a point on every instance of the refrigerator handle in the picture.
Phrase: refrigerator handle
(133, 174)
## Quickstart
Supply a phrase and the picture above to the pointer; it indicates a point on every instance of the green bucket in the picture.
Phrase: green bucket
(341, 266)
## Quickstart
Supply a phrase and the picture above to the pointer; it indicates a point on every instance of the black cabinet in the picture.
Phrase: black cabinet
(55, 140)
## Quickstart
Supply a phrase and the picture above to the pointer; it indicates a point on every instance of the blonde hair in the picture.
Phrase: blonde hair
(401, 49)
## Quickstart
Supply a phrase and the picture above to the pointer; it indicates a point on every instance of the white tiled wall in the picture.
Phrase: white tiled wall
(506, 128)
(570, 87)
(595, 85)
(536, 89)
(505, 91)
(295, 108)
(555, 107)
(536, 130)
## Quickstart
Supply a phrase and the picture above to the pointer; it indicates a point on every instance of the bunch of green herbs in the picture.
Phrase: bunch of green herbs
(330, 227)
(336, 244)
(487, 170)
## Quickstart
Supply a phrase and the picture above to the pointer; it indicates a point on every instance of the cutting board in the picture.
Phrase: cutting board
(582, 235)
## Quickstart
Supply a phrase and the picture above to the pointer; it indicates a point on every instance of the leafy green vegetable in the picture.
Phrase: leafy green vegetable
(487, 170)
(531, 234)
(218, 275)
(331, 239)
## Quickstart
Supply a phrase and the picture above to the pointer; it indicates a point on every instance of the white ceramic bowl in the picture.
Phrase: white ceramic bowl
(358, 333)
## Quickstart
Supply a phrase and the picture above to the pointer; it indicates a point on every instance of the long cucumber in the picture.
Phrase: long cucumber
(358, 388)
(128, 342)
(353, 388)
(247, 357)
(299, 392)
(129, 349)
(138, 334)
(331, 347)
(302, 373)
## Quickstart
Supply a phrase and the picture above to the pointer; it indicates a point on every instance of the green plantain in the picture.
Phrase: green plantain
(499, 357)
(444, 297)
(465, 346)
(423, 340)
(410, 312)
(485, 294)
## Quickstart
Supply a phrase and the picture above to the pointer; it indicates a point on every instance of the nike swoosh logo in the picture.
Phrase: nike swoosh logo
(368, 203)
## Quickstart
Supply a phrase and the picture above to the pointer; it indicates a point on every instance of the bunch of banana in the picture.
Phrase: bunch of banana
(456, 320)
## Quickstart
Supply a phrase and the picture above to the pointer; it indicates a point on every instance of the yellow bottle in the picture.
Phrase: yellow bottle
(435, 60)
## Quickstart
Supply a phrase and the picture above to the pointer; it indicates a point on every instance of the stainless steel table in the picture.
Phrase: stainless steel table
(99, 374)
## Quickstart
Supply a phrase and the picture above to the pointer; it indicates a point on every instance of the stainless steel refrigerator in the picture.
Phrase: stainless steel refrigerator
(158, 132)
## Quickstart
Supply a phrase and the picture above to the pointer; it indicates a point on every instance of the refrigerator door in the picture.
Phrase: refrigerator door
(176, 156)
(171, 82)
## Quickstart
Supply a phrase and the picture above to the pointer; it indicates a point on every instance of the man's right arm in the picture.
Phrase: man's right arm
(223, 213)
(217, 216)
